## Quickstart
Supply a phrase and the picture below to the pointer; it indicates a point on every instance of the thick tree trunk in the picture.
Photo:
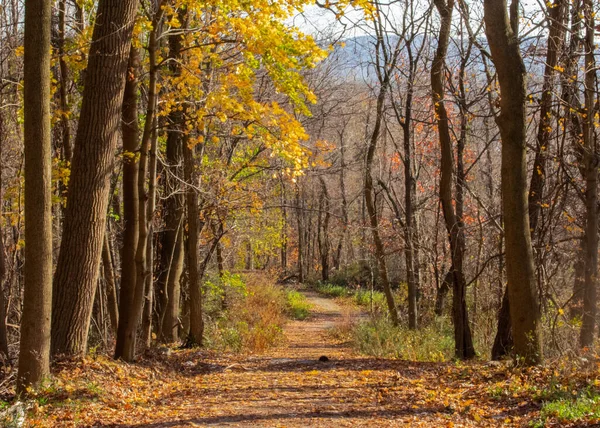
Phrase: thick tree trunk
(522, 293)
(463, 342)
(503, 341)
(85, 217)
(34, 363)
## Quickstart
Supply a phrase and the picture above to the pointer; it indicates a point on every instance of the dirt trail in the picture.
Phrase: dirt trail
(290, 387)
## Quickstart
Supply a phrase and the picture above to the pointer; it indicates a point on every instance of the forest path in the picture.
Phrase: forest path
(286, 387)
(289, 387)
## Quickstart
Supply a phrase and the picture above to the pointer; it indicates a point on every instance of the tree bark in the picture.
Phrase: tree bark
(85, 217)
(34, 356)
(522, 293)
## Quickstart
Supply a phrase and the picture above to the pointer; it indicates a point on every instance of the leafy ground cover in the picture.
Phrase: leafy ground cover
(287, 385)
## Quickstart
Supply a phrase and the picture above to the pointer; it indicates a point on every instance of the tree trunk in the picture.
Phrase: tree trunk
(111, 286)
(130, 132)
(149, 286)
(522, 293)
(590, 166)
(370, 201)
(323, 233)
(442, 292)
(34, 363)
(284, 225)
(410, 196)
(196, 332)
(3, 308)
(463, 342)
(503, 342)
(64, 83)
(173, 242)
(300, 225)
(85, 217)
(130, 320)
(345, 221)
(538, 175)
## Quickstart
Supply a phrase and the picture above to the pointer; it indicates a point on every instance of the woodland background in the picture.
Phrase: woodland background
(438, 160)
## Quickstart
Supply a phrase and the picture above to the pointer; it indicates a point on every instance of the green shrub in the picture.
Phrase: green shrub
(297, 307)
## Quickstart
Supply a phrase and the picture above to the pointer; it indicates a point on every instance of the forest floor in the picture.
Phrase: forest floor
(289, 387)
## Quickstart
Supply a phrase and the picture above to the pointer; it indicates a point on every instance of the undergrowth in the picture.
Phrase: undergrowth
(297, 307)
(379, 338)
(242, 316)
(370, 299)
(333, 290)
(584, 408)
(376, 336)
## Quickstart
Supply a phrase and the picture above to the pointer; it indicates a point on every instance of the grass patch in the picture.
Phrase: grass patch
(333, 290)
(379, 338)
(297, 307)
(370, 299)
(585, 408)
